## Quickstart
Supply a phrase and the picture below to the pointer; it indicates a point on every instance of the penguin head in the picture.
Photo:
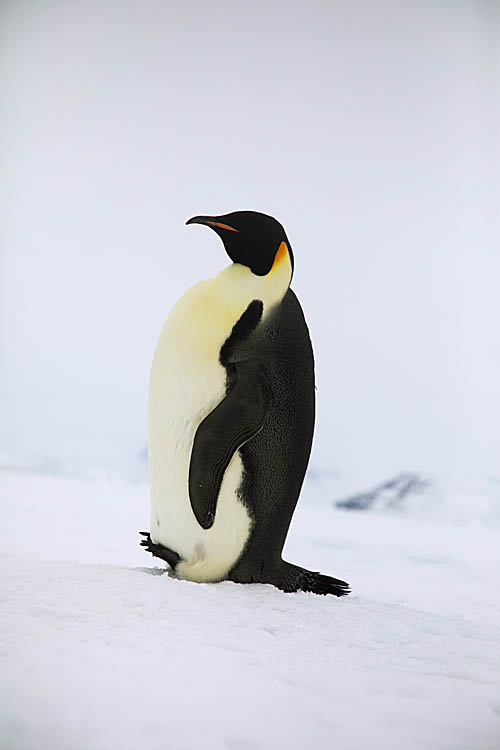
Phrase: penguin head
(250, 238)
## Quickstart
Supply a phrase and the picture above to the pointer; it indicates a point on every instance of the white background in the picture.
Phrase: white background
(369, 129)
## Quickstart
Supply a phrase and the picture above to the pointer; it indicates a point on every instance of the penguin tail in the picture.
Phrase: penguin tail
(294, 578)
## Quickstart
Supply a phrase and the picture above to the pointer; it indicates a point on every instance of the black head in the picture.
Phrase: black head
(250, 238)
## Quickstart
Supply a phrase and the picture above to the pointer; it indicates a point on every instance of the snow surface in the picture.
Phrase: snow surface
(100, 649)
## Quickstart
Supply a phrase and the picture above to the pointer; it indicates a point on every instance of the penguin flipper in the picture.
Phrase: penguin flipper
(233, 422)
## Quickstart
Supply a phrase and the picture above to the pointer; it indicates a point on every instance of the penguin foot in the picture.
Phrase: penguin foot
(294, 578)
(158, 550)
(289, 578)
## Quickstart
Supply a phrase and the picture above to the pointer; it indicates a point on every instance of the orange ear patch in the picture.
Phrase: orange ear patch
(222, 226)
(280, 256)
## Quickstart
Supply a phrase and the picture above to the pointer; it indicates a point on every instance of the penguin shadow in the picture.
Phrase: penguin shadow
(154, 571)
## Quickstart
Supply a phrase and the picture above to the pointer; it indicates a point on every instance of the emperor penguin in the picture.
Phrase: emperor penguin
(231, 417)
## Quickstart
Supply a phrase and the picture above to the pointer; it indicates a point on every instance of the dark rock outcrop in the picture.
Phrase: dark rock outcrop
(390, 494)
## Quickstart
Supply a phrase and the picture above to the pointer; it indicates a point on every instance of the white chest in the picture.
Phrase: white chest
(187, 382)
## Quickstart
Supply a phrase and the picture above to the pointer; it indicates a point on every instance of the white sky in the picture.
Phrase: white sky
(369, 129)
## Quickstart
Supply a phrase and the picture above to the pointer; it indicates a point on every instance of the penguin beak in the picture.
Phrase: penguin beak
(211, 221)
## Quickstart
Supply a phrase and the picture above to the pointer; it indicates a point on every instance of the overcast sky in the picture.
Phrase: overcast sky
(369, 129)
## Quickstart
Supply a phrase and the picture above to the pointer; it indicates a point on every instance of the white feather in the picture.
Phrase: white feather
(187, 382)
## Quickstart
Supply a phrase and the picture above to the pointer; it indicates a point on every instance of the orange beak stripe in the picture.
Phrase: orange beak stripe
(222, 226)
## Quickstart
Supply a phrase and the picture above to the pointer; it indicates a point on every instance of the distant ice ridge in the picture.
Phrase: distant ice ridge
(448, 497)
(134, 470)
(390, 494)
(455, 498)
(45, 465)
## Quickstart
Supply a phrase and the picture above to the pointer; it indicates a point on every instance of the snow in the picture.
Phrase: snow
(100, 648)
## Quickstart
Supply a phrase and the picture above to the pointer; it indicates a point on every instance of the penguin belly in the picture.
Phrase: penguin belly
(187, 383)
